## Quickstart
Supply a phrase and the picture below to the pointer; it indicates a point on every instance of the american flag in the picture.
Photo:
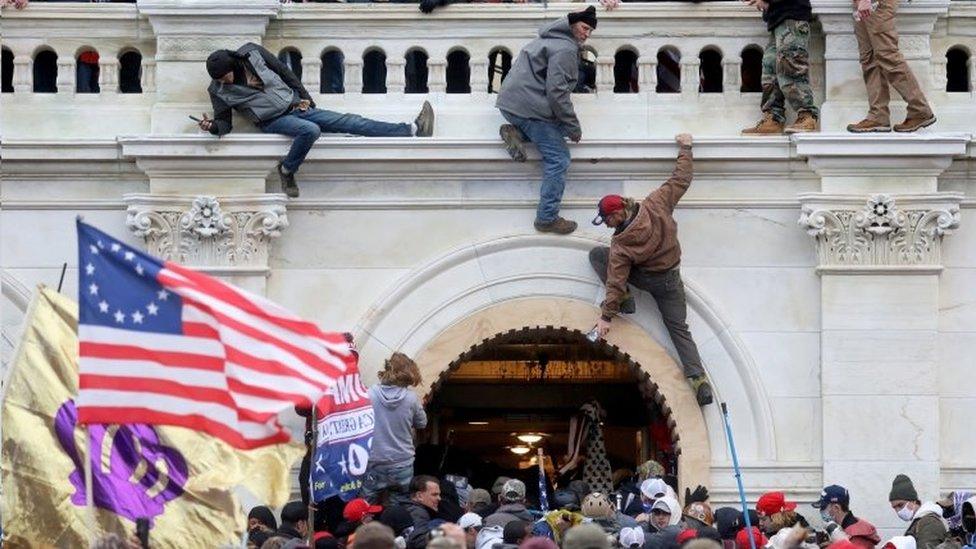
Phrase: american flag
(163, 344)
(543, 491)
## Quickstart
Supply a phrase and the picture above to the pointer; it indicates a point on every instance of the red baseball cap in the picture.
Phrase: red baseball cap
(358, 508)
(608, 204)
(773, 502)
(742, 539)
(687, 534)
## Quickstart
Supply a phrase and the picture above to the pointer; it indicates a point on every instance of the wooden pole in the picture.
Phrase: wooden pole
(90, 485)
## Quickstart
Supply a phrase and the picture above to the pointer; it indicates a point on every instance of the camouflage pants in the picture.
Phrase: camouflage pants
(786, 70)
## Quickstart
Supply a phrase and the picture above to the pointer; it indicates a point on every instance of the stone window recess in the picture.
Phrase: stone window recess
(333, 72)
(292, 58)
(458, 72)
(587, 71)
(202, 231)
(45, 72)
(668, 70)
(87, 71)
(710, 71)
(7, 72)
(415, 71)
(880, 233)
(751, 69)
(626, 77)
(958, 65)
(130, 72)
(499, 63)
(374, 71)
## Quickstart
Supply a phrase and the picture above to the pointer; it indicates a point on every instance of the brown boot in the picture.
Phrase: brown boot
(805, 123)
(556, 226)
(767, 126)
(912, 124)
(868, 126)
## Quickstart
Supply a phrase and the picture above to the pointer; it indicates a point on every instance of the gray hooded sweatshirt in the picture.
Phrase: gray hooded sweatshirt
(540, 84)
(397, 412)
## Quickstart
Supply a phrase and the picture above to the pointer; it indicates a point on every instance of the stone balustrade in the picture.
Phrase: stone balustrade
(657, 68)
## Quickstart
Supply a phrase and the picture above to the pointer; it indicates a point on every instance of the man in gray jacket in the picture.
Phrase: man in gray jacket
(265, 91)
(536, 98)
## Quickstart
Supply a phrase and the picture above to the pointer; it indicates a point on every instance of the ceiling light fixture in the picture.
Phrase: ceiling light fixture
(529, 438)
(519, 450)
(477, 423)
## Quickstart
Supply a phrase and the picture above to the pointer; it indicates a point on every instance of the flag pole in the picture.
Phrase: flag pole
(90, 486)
(738, 475)
(311, 487)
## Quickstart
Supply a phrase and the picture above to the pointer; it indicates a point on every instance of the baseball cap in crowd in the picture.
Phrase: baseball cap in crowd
(631, 537)
(661, 505)
(742, 539)
(773, 502)
(358, 508)
(469, 520)
(496, 488)
(513, 490)
(654, 488)
(479, 495)
(832, 494)
(608, 204)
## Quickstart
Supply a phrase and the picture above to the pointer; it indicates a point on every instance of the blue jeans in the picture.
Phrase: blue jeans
(381, 476)
(307, 126)
(550, 139)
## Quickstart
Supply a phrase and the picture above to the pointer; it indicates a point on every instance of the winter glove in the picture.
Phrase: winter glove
(427, 6)
(699, 495)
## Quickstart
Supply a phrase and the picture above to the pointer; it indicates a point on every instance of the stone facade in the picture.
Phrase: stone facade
(830, 277)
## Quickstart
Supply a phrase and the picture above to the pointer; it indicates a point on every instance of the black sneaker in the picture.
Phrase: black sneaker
(425, 121)
(288, 185)
(628, 305)
(514, 143)
(703, 391)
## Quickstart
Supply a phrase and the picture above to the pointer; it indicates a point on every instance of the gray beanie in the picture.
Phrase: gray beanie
(586, 536)
(902, 488)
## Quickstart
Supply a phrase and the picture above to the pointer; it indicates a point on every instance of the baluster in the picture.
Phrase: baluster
(437, 75)
(690, 78)
(604, 74)
(23, 71)
(647, 73)
(312, 74)
(108, 74)
(396, 77)
(66, 75)
(731, 75)
(147, 76)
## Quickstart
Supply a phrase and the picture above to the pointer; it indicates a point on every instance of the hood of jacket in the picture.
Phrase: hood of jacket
(558, 30)
(903, 542)
(388, 395)
(930, 508)
(969, 509)
(675, 507)
(488, 537)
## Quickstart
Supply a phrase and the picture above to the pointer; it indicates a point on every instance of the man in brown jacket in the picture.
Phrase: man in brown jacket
(644, 251)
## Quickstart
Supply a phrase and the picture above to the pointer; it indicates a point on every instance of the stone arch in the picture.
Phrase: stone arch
(443, 308)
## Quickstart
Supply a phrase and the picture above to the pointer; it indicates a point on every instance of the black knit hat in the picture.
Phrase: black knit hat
(587, 16)
(220, 63)
(902, 488)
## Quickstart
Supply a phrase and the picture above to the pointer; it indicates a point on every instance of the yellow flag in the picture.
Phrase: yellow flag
(183, 481)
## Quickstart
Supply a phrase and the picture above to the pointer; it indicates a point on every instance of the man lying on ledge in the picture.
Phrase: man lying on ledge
(265, 91)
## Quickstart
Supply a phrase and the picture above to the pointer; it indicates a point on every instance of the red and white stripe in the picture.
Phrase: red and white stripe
(240, 361)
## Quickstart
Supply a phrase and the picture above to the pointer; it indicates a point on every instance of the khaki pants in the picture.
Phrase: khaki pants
(882, 64)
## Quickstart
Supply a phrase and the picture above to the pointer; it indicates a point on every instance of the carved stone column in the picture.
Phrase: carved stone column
(878, 228)
(226, 236)
(846, 98)
(185, 35)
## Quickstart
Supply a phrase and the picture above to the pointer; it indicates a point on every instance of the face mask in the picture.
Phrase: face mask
(825, 516)
(906, 513)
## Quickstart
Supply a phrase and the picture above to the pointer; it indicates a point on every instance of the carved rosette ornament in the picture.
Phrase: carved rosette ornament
(229, 233)
(880, 234)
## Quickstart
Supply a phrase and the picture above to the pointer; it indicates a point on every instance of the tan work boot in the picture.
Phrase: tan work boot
(556, 226)
(767, 126)
(912, 124)
(805, 123)
(868, 126)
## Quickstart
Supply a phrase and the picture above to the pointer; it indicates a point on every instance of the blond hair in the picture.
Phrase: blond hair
(401, 371)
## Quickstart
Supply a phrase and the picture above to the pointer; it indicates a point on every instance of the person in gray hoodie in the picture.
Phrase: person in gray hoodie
(397, 412)
(536, 99)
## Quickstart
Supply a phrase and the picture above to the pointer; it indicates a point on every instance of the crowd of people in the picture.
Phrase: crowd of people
(639, 513)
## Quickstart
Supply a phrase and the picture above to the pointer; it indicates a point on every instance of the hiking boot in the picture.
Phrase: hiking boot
(425, 121)
(912, 124)
(767, 126)
(556, 226)
(628, 305)
(868, 126)
(805, 122)
(288, 185)
(514, 143)
(703, 391)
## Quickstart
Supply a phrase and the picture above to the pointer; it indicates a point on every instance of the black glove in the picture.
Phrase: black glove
(699, 495)
(428, 6)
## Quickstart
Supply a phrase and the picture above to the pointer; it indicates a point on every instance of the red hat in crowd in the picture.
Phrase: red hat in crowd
(742, 539)
(687, 534)
(608, 204)
(358, 508)
(844, 544)
(773, 502)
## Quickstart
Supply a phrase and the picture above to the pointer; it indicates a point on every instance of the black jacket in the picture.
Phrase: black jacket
(781, 10)
(222, 111)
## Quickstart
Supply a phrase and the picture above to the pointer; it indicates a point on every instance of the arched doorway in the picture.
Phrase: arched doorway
(529, 383)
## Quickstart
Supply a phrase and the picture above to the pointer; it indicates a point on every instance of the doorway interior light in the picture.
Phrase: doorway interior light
(519, 450)
(477, 423)
(529, 438)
